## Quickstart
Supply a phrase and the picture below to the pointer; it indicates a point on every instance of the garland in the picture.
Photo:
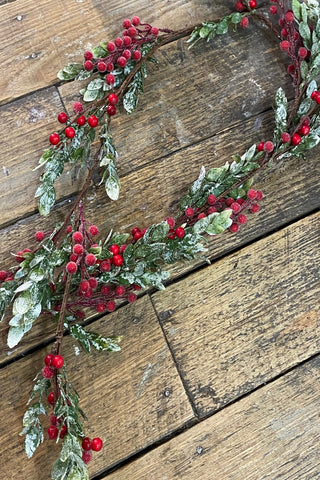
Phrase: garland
(68, 274)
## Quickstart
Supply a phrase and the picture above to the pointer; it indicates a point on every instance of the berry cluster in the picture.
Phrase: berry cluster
(245, 6)
(214, 205)
(88, 446)
(52, 363)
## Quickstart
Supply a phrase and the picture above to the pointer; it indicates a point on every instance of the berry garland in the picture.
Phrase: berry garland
(69, 274)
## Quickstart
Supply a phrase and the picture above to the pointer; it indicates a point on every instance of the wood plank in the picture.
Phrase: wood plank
(24, 125)
(247, 318)
(273, 433)
(122, 394)
(187, 98)
(156, 192)
(38, 39)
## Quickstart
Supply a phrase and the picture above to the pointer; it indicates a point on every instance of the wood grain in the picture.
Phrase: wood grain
(247, 318)
(271, 434)
(156, 192)
(122, 394)
(38, 39)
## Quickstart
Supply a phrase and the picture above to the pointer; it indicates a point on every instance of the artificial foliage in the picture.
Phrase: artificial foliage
(75, 270)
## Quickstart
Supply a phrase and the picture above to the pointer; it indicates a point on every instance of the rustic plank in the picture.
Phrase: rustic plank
(187, 98)
(122, 394)
(38, 39)
(247, 318)
(156, 192)
(273, 433)
(24, 124)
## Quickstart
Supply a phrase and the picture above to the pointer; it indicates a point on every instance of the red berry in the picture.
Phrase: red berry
(211, 200)
(122, 249)
(118, 41)
(244, 22)
(120, 290)
(302, 52)
(111, 110)
(170, 221)
(3, 275)
(73, 257)
(79, 314)
(84, 286)
(52, 432)
(88, 65)
(96, 444)
(296, 139)
(81, 121)
(105, 266)
(211, 210)
(62, 117)
(255, 208)
(273, 10)
(291, 69)
(77, 107)
(47, 372)
(289, 17)
(93, 121)
(69, 229)
(135, 21)
(110, 306)
(132, 297)
(93, 282)
(314, 95)
(252, 3)
(285, 137)
(101, 307)
(51, 398)
(105, 290)
(114, 249)
(53, 419)
(132, 31)
(117, 260)
(189, 212)
(88, 55)
(234, 228)
(102, 67)
(136, 55)
(137, 236)
(77, 237)
(110, 67)
(235, 207)
(63, 431)
(252, 194)
(86, 443)
(260, 147)
(154, 31)
(122, 62)
(70, 132)
(259, 195)
(57, 361)
(54, 139)
(284, 32)
(71, 267)
(229, 201)
(304, 130)
(86, 457)
(78, 249)
(88, 294)
(111, 47)
(90, 259)
(93, 230)
(39, 236)
(126, 54)
(113, 99)
(126, 23)
(179, 232)
(284, 45)
(48, 359)
(242, 218)
(110, 79)
(239, 6)
(127, 40)
(268, 147)
(201, 215)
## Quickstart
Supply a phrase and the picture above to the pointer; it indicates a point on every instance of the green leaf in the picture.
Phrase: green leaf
(89, 339)
(296, 8)
(99, 52)
(311, 88)
(220, 222)
(281, 105)
(91, 95)
(22, 303)
(156, 233)
(305, 106)
(304, 69)
(304, 31)
(47, 200)
(70, 71)
(33, 439)
(222, 26)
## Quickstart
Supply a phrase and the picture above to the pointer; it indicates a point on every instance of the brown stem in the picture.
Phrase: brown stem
(267, 22)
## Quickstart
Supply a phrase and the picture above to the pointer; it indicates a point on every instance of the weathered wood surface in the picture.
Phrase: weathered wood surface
(123, 394)
(252, 315)
(184, 110)
(38, 39)
(155, 198)
(271, 434)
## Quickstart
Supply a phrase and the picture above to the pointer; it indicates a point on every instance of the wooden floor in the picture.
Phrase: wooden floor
(218, 377)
